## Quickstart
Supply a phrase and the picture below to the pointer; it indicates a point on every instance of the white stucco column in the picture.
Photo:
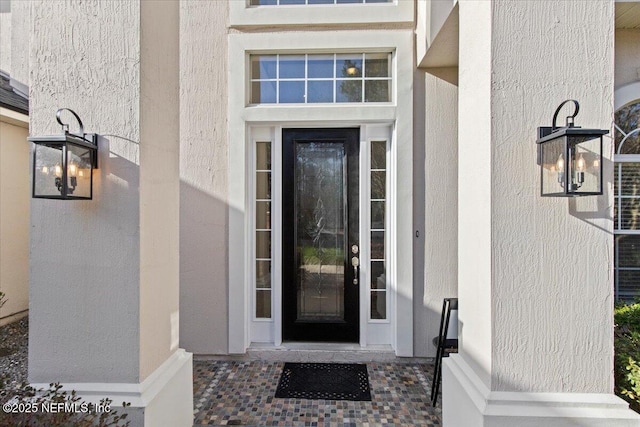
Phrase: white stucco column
(104, 315)
(534, 282)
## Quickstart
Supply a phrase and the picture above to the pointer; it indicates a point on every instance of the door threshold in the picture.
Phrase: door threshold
(328, 346)
(321, 352)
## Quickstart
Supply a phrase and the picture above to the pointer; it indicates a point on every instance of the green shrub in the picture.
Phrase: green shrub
(627, 354)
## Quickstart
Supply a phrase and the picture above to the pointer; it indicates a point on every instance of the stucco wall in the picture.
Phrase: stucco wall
(104, 273)
(159, 183)
(14, 219)
(440, 165)
(84, 296)
(203, 177)
(552, 280)
(535, 273)
(627, 56)
(5, 36)
(474, 186)
(20, 21)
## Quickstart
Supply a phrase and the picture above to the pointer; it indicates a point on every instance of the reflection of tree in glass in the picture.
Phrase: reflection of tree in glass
(351, 89)
(628, 119)
(375, 90)
(377, 67)
(317, 222)
(378, 185)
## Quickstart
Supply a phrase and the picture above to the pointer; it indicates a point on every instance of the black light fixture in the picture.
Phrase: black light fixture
(63, 164)
(570, 158)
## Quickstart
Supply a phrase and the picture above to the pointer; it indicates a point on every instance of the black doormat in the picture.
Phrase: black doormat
(329, 381)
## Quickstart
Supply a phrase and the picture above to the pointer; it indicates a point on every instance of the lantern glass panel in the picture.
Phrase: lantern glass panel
(78, 171)
(586, 168)
(554, 166)
(47, 170)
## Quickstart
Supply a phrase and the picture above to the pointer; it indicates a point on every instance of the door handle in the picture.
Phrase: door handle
(355, 262)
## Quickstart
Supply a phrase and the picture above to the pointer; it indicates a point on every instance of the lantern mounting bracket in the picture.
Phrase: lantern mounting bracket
(65, 126)
(569, 123)
(91, 138)
(569, 119)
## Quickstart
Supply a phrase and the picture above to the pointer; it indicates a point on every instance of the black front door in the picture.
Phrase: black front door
(320, 222)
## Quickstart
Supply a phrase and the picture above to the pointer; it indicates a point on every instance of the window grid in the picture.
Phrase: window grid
(256, 84)
(627, 203)
(377, 230)
(627, 230)
(263, 257)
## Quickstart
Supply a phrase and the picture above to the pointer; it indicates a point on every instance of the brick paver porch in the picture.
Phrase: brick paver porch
(242, 393)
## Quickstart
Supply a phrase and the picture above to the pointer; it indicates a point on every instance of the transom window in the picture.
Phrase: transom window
(305, 2)
(320, 78)
(627, 203)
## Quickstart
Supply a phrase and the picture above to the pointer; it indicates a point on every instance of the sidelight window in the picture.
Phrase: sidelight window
(377, 229)
(263, 200)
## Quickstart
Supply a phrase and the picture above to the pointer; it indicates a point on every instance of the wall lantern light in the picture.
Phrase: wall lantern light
(63, 164)
(570, 158)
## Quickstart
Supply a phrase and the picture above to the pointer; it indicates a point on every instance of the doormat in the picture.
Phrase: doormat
(328, 381)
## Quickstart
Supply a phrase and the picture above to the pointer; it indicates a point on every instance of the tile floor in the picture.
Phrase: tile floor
(241, 393)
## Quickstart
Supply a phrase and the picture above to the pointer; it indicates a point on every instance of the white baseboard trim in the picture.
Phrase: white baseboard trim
(138, 394)
(503, 404)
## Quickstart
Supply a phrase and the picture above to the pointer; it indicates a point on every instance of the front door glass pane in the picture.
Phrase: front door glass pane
(320, 228)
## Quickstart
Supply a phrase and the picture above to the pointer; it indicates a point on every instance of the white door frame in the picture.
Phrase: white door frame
(372, 331)
(243, 117)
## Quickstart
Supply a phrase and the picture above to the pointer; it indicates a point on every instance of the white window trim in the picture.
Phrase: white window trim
(377, 331)
(333, 80)
(624, 96)
(262, 327)
(243, 117)
(377, 135)
(243, 15)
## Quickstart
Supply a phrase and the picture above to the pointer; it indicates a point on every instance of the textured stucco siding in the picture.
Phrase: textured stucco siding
(20, 21)
(84, 296)
(627, 56)
(5, 40)
(14, 219)
(159, 183)
(203, 177)
(551, 288)
(440, 213)
(474, 186)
